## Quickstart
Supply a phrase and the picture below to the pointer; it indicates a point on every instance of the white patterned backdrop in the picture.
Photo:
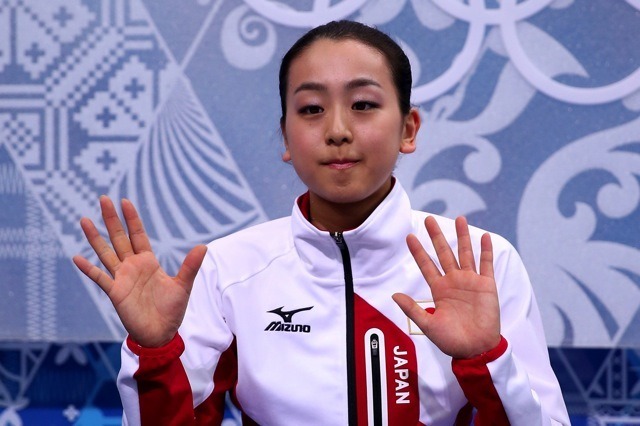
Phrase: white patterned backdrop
(531, 114)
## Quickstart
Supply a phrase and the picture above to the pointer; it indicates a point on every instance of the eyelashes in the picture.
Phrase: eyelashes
(310, 110)
(357, 106)
(364, 105)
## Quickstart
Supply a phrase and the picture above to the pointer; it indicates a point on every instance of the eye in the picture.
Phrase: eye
(310, 109)
(363, 105)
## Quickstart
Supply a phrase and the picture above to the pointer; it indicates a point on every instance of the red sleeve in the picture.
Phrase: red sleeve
(165, 393)
(476, 383)
(163, 387)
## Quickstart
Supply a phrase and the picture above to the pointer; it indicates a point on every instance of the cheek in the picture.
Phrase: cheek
(301, 138)
(291, 130)
(386, 135)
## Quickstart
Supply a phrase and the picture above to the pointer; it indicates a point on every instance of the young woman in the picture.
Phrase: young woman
(312, 318)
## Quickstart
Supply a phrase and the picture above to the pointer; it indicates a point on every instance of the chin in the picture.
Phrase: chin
(343, 196)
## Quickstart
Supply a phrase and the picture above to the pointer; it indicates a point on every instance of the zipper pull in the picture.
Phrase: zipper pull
(339, 239)
(374, 345)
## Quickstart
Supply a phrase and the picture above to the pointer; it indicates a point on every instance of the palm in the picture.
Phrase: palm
(466, 321)
(149, 302)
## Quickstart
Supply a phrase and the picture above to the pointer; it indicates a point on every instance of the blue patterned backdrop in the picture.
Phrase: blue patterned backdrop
(531, 114)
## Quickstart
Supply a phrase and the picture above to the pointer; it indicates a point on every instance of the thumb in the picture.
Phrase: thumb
(191, 266)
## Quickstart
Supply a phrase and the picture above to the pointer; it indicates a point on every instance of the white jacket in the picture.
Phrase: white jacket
(300, 331)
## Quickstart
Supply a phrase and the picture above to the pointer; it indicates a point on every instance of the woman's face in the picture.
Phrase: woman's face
(344, 128)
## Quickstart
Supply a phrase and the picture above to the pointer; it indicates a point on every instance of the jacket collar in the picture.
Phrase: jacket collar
(375, 247)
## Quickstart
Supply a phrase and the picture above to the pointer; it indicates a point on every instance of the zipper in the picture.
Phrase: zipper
(351, 356)
(376, 378)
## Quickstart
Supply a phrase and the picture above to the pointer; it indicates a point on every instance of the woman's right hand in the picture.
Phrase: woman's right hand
(150, 303)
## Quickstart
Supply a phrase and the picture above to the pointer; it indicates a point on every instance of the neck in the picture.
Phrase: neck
(338, 217)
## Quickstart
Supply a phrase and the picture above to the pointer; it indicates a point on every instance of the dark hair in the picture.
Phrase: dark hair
(341, 30)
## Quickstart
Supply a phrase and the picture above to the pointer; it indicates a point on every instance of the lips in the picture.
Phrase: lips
(341, 164)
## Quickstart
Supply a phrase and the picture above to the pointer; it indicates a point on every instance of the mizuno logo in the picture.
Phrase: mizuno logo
(279, 326)
(287, 317)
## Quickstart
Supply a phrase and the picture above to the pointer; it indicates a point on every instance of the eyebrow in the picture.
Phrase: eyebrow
(353, 84)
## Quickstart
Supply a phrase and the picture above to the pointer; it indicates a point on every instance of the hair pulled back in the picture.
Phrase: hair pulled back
(350, 30)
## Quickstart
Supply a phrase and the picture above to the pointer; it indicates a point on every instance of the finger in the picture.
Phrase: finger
(443, 250)
(117, 235)
(465, 250)
(104, 251)
(97, 275)
(429, 270)
(486, 256)
(411, 309)
(137, 235)
(191, 266)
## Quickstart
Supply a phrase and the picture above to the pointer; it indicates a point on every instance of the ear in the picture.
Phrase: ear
(286, 155)
(410, 129)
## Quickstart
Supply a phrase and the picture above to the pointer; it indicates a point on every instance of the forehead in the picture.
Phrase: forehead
(328, 61)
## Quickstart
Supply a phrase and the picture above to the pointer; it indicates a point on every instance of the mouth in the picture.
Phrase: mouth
(341, 164)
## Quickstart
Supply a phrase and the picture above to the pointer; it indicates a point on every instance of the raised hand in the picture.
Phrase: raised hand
(466, 319)
(150, 303)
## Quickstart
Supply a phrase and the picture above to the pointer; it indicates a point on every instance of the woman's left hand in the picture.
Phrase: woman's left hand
(466, 319)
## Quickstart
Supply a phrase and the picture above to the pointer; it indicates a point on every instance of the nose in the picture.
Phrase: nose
(338, 128)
